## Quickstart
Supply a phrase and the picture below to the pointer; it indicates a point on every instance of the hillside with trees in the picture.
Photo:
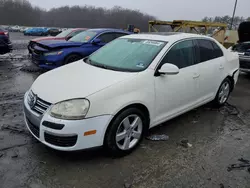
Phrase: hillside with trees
(21, 12)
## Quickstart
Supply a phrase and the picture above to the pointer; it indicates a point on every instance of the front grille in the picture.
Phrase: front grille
(62, 141)
(52, 125)
(34, 129)
(244, 64)
(37, 104)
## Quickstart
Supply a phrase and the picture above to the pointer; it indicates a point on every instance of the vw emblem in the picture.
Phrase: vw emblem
(32, 100)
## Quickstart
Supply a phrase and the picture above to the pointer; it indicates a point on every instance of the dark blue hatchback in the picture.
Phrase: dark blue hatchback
(51, 54)
(5, 44)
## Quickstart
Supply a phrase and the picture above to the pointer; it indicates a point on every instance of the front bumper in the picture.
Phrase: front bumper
(66, 135)
(45, 63)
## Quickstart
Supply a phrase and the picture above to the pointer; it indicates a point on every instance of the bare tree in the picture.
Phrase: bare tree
(21, 12)
(225, 19)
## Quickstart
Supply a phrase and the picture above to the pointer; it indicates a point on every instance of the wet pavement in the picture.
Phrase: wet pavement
(218, 137)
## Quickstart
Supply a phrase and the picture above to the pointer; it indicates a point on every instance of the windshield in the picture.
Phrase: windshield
(65, 33)
(85, 36)
(130, 55)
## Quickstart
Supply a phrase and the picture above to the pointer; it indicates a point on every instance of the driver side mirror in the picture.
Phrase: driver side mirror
(169, 69)
(96, 41)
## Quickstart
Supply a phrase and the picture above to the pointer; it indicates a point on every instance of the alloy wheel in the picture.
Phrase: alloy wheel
(129, 132)
(224, 92)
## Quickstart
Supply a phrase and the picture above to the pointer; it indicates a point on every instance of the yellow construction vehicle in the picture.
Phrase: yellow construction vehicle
(192, 26)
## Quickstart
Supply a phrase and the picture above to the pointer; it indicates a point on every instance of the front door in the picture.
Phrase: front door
(177, 93)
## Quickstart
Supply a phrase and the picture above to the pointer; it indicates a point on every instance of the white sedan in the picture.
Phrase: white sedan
(136, 82)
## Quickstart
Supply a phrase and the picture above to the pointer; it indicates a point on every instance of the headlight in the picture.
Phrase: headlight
(53, 53)
(74, 109)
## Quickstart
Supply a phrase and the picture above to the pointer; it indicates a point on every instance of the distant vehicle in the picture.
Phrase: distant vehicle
(36, 32)
(53, 31)
(22, 29)
(243, 47)
(50, 54)
(134, 83)
(5, 44)
(15, 28)
(64, 35)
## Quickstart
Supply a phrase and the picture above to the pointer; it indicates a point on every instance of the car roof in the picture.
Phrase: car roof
(165, 36)
(100, 30)
(77, 29)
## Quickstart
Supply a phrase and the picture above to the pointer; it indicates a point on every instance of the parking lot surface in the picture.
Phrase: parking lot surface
(219, 138)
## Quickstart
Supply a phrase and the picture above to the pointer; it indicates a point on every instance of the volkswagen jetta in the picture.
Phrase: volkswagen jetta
(134, 83)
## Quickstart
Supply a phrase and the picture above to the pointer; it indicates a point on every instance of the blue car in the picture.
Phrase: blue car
(36, 32)
(50, 54)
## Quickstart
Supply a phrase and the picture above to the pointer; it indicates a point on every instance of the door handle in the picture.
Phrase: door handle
(196, 75)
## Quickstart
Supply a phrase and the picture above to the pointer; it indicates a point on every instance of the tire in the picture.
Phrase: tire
(71, 58)
(223, 93)
(122, 137)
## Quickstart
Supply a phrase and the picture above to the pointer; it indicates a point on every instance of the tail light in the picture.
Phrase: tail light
(4, 33)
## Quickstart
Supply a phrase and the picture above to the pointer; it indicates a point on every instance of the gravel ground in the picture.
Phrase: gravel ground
(218, 137)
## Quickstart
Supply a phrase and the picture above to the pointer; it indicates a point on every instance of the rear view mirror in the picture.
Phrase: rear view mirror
(169, 69)
(96, 41)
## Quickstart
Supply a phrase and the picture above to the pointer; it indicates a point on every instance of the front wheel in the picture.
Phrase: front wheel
(125, 132)
(71, 58)
(223, 93)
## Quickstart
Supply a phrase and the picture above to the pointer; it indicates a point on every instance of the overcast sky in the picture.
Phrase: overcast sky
(163, 9)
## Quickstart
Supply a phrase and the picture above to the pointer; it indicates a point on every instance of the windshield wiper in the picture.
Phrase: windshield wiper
(90, 62)
(99, 65)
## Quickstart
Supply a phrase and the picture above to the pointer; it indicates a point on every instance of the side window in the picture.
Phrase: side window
(181, 54)
(206, 50)
(217, 50)
(117, 35)
(107, 37)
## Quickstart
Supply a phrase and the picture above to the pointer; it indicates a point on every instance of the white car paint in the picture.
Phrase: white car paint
(110, 91)
(79, 80)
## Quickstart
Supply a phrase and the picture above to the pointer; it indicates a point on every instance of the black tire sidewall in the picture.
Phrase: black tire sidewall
(66, 61)
(110, 136)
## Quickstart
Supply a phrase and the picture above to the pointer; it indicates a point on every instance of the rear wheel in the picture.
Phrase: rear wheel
(72, 58)
(223, 93)
(125, 132)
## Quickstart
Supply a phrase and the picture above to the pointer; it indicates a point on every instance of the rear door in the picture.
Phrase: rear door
(211, 68)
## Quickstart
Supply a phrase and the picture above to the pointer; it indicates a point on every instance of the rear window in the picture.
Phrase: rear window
(206, 50)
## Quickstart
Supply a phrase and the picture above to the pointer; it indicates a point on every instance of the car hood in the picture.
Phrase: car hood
(59, 43)
(76, 80)
(244, 32)
(46, 38)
